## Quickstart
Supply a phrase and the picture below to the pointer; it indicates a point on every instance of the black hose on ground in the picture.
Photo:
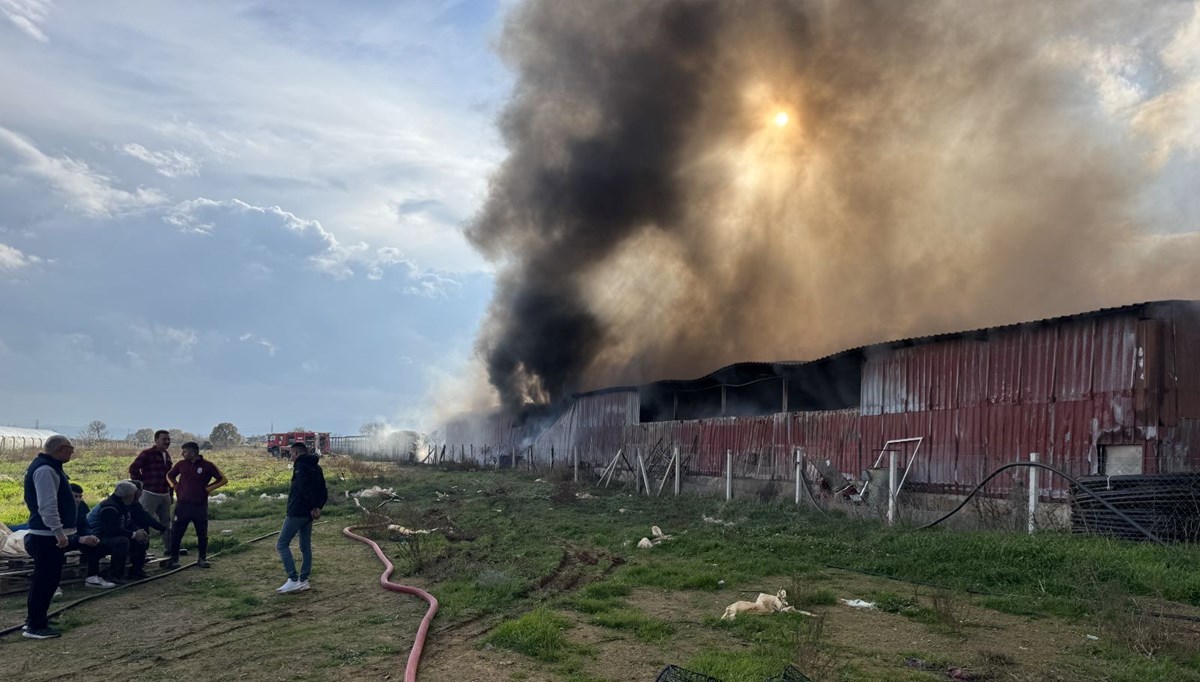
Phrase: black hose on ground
(1047, 467)
(143, 581)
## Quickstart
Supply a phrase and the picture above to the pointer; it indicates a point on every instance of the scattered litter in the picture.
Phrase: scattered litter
(765, 603)
(912, 662)
(720, 583)
(1094, 638)
(962, 674)
(280, 496)
(858, 603)
(538, 480)
(709, 519)
(645, 543)
(219, 498)
(622, 510)
(227, 532)
(497, 510)
(584, 496)
(657, 535)
(408, 531)
(375, 491)
(441, 495)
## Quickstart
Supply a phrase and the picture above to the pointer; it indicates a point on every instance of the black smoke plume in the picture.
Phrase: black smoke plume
(944, 165)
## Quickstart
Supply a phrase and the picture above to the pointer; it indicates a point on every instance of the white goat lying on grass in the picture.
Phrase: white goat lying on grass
(766, 603)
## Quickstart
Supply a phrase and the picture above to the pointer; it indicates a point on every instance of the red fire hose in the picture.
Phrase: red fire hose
(414, 657)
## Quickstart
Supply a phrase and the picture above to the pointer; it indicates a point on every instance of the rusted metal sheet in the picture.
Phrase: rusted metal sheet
(1073, 362)
(1115, 355)
(1038, 351)
(1185, 316)
(895, 382)
(1004, 367)
(1148, 375)
(973, 380)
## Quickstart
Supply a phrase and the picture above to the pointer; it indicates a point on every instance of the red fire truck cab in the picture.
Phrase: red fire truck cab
(278, 443)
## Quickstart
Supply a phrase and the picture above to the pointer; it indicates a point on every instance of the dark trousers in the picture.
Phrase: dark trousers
(120, 549)
(48, 562)
(195, 514)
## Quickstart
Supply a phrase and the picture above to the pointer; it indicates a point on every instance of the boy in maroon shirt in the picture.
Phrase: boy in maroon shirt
(193, 479)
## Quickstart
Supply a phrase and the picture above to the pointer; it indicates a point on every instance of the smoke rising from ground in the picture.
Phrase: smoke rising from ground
(945, 165)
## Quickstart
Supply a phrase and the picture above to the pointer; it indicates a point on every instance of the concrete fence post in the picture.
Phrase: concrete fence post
(891, 516)
(1033, 492)
(796, 454)
(676, 458)
(729, 474)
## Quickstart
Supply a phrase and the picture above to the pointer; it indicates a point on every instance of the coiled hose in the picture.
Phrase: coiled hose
(414, 656)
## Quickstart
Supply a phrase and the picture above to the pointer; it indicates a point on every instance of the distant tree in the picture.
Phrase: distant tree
(225, 435)
(141, 436)
(95, 431)
(372, 429)
(179, 437)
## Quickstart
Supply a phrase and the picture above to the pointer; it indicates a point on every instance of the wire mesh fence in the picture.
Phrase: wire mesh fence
(968, 491)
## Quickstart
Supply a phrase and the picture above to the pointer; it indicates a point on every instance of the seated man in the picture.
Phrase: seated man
(85, 542)
(110, 521)
(140, 519)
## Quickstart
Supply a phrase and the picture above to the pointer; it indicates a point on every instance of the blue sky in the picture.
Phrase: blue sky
(235, 212)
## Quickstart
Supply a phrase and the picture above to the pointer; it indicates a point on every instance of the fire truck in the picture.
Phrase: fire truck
(278, 443)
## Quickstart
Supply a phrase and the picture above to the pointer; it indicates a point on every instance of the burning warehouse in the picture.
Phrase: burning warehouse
(1110, 392)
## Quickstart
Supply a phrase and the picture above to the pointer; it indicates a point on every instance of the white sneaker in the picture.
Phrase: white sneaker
(302, 586)
(97, 581)
(57, 593)
(289, 586)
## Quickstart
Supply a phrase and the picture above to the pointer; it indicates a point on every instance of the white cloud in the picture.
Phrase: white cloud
(158, 343)
(87, 191)
(265, 343)
(172, 164)
(11, 258)
(27, 15)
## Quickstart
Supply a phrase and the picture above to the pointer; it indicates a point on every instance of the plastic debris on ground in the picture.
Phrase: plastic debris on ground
(858, 603)
(219, 498)
(280, 496)
(720, 522)
(375, 491)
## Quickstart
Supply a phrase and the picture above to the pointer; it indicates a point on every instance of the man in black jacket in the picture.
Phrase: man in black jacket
(305, 499)
(112, 522)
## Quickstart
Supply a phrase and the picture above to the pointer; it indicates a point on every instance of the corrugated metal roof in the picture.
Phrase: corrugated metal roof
(768, 368)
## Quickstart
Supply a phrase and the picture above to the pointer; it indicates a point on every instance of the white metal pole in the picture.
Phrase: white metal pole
(1033, 491)
(676, 470)
(891, 488)
(729, 474)
(575, 461)
(797, 456)
(645, 476)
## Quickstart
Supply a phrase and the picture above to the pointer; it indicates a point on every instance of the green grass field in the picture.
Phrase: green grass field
(524, 569)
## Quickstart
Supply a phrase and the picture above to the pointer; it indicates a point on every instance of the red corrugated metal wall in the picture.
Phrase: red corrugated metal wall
(1058, 388)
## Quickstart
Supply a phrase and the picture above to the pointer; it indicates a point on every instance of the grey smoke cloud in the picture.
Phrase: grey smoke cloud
(944, 165)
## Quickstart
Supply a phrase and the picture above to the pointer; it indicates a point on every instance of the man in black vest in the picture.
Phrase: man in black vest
(51, 521)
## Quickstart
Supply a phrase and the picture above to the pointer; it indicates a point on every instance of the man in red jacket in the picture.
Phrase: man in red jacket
(193, 479)
(151, 467)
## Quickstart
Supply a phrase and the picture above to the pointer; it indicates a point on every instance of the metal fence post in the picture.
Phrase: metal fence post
(676, 453)
(796, 454)
(1033, 492)
(575, 460)
(729, 474)
(891, 517)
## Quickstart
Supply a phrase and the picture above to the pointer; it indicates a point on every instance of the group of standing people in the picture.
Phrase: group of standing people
(119, 526)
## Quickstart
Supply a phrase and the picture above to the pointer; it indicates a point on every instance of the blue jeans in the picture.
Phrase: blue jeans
(293, 525)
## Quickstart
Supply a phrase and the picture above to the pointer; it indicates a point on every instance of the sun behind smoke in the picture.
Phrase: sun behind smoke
(781, 119)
